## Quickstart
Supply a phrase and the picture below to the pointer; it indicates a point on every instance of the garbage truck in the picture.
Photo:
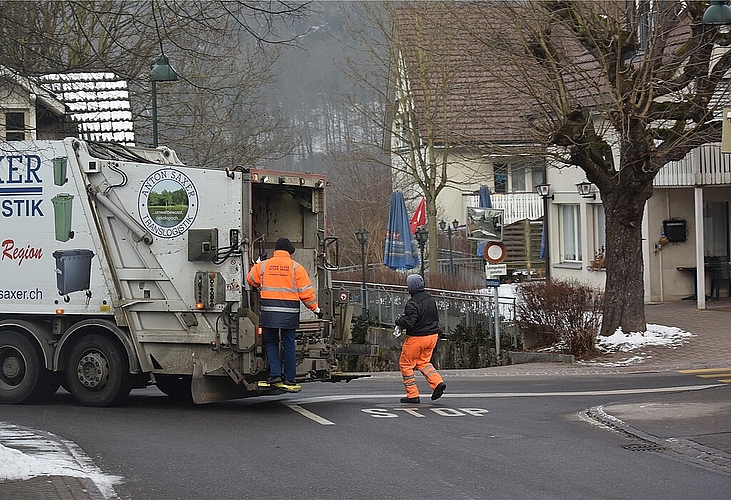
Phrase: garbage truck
(121, 267)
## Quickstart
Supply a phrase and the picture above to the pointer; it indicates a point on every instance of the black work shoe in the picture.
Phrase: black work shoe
(411, 400)
(438, 391)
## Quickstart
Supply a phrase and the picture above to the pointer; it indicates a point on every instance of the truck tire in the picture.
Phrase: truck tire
(176, 386)
(23, 378)
(97, 371)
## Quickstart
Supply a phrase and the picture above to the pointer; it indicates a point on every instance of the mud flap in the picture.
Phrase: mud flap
(207, 389)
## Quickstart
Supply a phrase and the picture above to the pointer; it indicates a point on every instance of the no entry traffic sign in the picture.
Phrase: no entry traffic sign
(495, 252)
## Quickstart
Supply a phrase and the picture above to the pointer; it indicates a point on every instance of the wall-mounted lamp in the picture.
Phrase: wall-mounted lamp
(543, 190)
(584, 189)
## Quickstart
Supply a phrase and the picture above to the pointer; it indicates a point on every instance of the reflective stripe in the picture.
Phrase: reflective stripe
(280, 309)
(428, 370)
(277, 289)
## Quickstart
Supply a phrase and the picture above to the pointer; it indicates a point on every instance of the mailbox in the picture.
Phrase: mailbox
(675, 230)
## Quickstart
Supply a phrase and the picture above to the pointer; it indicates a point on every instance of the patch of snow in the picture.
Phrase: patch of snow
(27, 453)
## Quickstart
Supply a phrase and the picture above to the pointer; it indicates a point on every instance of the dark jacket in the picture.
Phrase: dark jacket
(420, 316)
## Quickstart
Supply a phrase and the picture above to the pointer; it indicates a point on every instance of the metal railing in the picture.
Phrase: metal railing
(517, 206)
(471, 311)
(704, 165)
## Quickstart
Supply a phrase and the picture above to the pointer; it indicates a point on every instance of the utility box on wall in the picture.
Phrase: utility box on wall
(675, 230)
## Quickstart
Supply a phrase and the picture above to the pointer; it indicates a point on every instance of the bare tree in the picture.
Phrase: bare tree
(224, 52)
(412, 76)
(618, 89)
(360, 189)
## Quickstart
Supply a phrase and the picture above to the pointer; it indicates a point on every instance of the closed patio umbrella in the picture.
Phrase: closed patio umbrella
(400, 251)
(484, 202)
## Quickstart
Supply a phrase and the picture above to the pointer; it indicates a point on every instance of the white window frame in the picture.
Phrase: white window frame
(570, 233)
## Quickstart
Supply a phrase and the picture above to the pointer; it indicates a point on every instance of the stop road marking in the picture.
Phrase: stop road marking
(415, 412)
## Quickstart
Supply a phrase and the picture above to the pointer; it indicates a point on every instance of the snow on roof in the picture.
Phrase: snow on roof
(97, 102)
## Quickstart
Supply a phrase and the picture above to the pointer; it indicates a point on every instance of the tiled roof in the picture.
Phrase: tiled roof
(452, 90)
(97, 102)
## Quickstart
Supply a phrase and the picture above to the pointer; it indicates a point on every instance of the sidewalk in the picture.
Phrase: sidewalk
(689, 424)
(50, 488)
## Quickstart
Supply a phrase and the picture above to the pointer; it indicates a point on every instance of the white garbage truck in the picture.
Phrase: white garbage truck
(121, 267)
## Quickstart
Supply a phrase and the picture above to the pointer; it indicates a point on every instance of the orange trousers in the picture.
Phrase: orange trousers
(416, 353)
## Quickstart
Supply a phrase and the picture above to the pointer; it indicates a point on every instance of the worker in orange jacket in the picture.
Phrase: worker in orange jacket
(282, 284)
(420, 320)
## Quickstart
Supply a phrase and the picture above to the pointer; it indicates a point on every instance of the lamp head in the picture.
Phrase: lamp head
(161, 70)
(543, 190)
(584, 189)
(361, 235)
(717, 14)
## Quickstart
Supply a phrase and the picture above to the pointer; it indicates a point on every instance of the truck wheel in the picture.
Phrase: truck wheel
(176, 386)
(97, 371)
(23, 378)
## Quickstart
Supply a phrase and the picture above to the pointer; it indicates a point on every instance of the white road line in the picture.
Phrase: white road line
(344, 397)
(310, 415)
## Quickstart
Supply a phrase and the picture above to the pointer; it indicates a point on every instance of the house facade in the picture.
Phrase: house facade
(453, 122)
(686, 225)
(686, 221)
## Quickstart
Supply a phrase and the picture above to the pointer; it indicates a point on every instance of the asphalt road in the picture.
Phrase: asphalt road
(506, 437)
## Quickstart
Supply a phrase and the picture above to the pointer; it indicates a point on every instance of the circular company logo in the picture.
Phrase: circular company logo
(167, 203)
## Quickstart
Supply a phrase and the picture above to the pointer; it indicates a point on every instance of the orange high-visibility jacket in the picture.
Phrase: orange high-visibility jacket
(282, 284)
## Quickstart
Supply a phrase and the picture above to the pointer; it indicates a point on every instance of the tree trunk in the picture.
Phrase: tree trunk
(624, 304)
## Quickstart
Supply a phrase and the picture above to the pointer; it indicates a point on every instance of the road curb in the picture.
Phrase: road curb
(688, 450)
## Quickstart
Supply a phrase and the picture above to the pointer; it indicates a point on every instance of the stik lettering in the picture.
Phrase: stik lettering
(11, 252)
(21, 208)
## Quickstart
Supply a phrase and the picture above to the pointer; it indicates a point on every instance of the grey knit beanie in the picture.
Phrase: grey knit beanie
(414, 283)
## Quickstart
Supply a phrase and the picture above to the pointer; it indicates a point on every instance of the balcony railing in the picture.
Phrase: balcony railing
(705, 165)
(517, 206)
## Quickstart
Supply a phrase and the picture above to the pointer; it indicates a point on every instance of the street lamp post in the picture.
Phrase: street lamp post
(422, 235)
(543, 190)
(362, 236)
(443, 225)
(161, 71)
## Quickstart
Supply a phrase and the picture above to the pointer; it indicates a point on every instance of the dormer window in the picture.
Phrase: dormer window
(15, 126)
